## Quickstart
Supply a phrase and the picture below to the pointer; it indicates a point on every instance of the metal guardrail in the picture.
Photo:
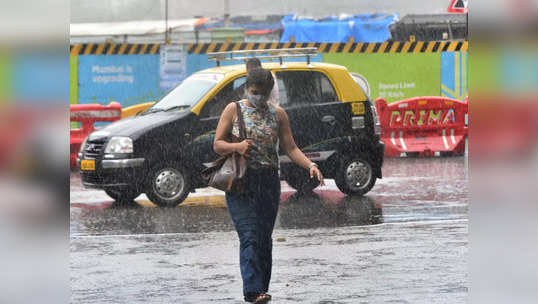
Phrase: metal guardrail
(263, 54)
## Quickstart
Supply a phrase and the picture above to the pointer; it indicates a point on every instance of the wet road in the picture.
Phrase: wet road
(404, 242)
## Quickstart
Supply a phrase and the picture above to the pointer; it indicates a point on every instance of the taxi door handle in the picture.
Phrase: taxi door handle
(329, 119)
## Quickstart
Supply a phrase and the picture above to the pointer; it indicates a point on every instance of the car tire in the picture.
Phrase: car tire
(123, 194)
(168, 184)
(355, 175)
(299, 179)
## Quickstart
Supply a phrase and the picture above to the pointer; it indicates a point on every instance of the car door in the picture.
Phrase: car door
(315, 113)
(209, 119)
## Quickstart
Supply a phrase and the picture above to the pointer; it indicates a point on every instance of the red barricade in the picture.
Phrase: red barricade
(505, 126)
(87, 115)
(423, 125)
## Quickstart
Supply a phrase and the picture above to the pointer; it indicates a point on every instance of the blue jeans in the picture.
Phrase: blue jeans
(253, 213)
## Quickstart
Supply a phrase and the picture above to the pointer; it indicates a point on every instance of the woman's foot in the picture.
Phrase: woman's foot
(258, 298)
(262, 298)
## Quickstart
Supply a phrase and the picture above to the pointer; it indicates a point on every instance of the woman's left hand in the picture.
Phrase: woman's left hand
(314, 171)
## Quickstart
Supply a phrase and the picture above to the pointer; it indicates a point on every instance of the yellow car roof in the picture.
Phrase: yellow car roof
(346, 88)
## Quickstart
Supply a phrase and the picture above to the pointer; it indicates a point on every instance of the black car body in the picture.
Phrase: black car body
(162, 151)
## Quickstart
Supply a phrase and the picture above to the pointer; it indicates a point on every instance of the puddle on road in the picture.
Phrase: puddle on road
(413, 190)
(205, 214)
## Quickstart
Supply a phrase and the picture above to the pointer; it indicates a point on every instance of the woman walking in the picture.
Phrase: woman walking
(254, 210)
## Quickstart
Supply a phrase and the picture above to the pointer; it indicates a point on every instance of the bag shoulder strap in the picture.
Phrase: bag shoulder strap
(242, 128)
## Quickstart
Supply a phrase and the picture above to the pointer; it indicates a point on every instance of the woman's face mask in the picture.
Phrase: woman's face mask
(257, 100)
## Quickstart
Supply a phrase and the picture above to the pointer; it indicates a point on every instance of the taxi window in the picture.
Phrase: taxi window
(304, 87)
(231, 92)
(283, 98)
(189, 92)
(327, 90)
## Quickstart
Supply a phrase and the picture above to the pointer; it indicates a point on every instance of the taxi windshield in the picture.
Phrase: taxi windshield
(188, 93)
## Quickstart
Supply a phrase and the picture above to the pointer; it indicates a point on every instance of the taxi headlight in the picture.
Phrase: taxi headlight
(119, 145)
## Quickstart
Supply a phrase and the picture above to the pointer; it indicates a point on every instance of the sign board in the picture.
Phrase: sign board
(127, 79)
(458, 6)
(173, 66)
(410, 75)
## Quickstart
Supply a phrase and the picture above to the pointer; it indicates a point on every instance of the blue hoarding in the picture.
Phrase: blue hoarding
(127, 79)
(40, 78)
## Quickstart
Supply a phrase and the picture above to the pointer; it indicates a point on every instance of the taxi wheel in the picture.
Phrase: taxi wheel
(168, 184)
(355, 176)
(299, 179)
(123, 194)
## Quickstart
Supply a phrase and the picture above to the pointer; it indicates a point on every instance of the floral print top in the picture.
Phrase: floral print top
(262, 128)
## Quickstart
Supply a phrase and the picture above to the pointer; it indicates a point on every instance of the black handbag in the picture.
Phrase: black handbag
(228, 173)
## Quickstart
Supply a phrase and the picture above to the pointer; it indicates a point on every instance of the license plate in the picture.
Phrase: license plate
(87, 164)
(357, 108)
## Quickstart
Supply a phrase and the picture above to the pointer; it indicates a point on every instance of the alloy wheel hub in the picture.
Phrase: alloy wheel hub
(358, 174)
(169, 182)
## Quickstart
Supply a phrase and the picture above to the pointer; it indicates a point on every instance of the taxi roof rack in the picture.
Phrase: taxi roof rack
(263, 54)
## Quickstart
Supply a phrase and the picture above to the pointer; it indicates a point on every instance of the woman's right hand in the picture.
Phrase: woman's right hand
(243, 147)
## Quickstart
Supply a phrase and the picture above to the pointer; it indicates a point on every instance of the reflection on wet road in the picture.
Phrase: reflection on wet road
(405, 241)
(328, 208)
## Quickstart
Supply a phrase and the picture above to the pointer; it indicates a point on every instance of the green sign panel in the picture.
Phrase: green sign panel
(5, 79)
(73, 79)
(394, 76)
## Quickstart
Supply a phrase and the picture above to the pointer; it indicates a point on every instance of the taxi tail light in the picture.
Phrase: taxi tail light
(377, 123)
(357, 122)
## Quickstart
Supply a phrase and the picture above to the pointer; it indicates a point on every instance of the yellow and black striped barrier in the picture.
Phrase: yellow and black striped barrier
(203, 48)
(114, 49)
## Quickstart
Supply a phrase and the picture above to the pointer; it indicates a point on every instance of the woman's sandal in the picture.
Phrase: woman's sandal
(259, 298)
(262, 298)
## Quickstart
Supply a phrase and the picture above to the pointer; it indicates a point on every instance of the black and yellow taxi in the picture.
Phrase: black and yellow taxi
(162, 150)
